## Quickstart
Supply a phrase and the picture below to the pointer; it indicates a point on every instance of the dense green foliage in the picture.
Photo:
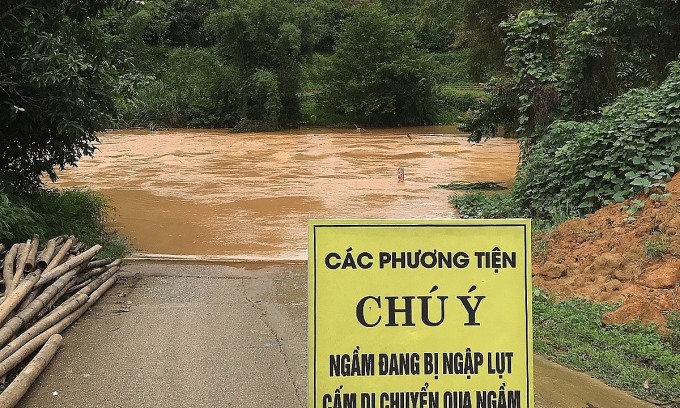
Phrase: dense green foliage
(57, 80)
(276, 64)
(571, 333)
(481, 205)
(584, 89)
(377, 74)
(577, 167)
(50, 213)
(455, 100)
(633, 147)
(264, 40)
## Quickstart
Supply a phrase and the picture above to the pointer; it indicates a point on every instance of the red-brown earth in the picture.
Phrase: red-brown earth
(618, 255)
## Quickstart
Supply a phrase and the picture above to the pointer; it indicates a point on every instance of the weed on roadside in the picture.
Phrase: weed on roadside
(49, 213)
(657, 246)
(632, 357)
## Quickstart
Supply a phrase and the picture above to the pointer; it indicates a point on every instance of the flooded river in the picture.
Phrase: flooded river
(215, 194)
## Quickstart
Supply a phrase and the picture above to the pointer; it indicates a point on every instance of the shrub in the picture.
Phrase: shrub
(481, 205)
(378, 73)
(49, 213)
(453, 101)
(633, 147)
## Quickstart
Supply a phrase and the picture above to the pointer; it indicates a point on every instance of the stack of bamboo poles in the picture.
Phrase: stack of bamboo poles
(45, 292)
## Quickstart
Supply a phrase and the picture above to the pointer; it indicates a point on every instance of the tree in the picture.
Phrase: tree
(57, 79)
(377, 74)
(263, 41)
(569, 65)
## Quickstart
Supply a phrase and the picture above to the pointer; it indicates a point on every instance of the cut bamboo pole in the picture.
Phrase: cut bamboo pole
(65, 288)
(17, 388)
(27, 300)
(54, 273)
(14, 298)
(98, 263)
(8, 269)
(77, 286)
(82, 277)
(75, 250)
(46, 255)
(29, 312)
(29, 265)
(22, 255)
(60, 254)
(63, 311)
(98, 281)
(28, 348)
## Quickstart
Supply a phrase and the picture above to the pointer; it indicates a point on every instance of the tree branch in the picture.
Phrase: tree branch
(15, 8)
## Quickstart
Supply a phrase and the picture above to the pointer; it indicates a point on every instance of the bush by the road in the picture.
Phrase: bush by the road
(50, 213)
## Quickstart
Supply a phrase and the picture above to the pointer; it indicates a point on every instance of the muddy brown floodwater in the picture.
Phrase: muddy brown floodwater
(215, 194)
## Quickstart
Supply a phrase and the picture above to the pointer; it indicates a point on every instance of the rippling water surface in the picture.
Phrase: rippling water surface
(249, 195)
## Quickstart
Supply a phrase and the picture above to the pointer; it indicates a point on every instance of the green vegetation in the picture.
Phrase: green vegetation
(50, 213)
(477, 185)
(481, 205)
(633, 147)
(377, 75)
(57, 79)
(592, 91)
(455, 100)
(626, 356)
(657, 246)
(277, 64)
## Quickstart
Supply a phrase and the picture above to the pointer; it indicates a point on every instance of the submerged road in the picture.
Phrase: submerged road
(198, 335)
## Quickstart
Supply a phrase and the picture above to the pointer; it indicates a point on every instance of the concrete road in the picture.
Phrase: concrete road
(179, 335)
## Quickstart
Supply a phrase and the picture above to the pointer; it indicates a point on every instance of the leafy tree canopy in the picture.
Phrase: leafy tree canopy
(57, 76)
(377, 74)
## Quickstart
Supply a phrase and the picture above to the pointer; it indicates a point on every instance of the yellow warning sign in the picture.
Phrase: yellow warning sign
(416, 314)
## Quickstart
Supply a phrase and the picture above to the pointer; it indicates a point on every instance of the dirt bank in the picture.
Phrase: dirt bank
(626, 253)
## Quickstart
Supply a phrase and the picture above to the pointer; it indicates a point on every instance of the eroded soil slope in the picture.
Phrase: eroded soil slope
(618, 255)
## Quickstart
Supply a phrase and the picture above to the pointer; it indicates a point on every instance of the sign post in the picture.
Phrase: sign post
(420, 313)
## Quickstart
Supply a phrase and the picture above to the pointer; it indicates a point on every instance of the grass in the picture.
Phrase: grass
(49, 213)
(481, 205)
(657, 246)
(626, 356)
